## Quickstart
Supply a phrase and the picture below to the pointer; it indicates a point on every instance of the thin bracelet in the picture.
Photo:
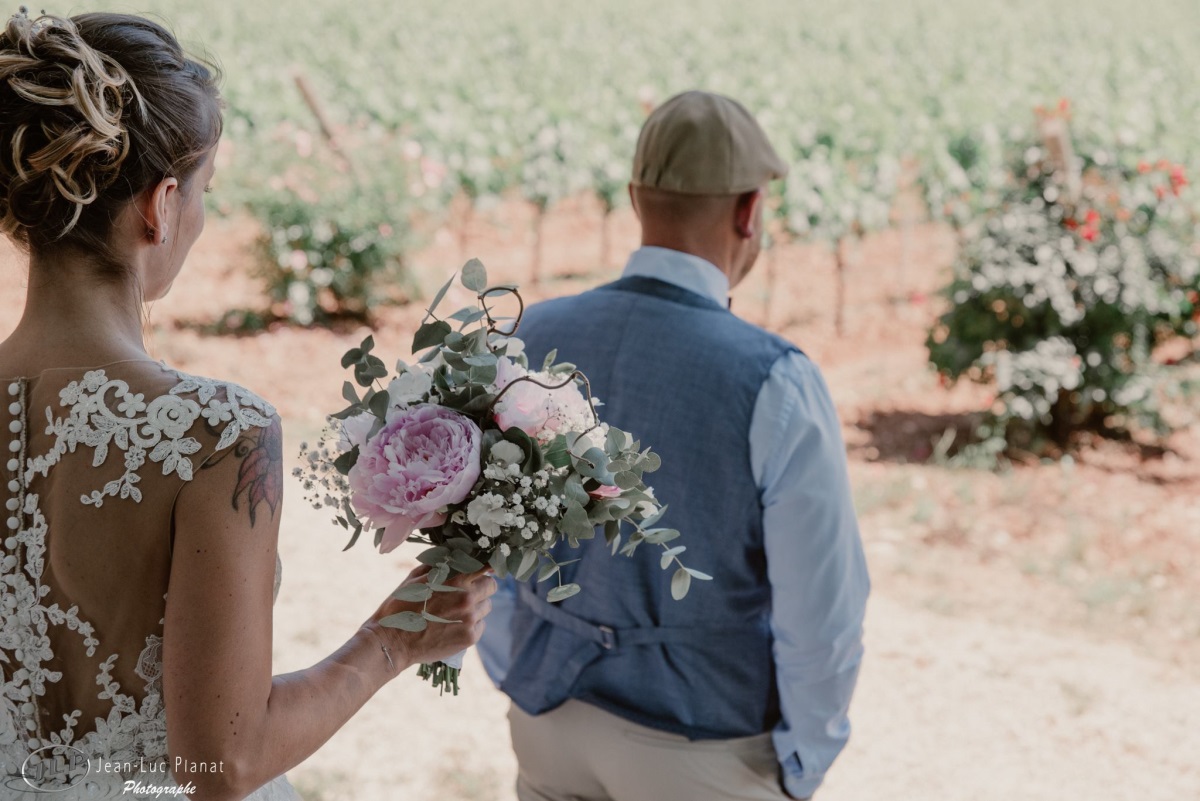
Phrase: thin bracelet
(387, 652)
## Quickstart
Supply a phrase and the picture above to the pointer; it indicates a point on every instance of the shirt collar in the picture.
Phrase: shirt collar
(681, 269)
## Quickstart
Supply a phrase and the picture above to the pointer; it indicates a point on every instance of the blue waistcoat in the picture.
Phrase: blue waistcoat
(682, 374)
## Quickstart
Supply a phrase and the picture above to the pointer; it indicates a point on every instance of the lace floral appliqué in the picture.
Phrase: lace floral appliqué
(102, 414)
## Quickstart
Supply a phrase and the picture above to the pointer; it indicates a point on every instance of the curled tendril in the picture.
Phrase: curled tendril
(492, 327)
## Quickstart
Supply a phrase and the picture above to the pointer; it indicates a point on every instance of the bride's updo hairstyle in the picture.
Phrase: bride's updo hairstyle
(94, 110)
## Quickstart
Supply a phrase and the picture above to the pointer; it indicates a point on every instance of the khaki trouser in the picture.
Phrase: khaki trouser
(578, 752)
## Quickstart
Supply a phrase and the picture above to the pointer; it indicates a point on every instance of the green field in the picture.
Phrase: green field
(547, 97)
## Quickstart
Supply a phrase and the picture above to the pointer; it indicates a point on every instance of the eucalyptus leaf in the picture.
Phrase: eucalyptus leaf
(358, 530)
(654, 517)
(548, 362)
(485, 374)
(468, 316)
(627, 480)
(547, 570)
(594, 464)
(345, 414)
(407, 621)
(433, 556)
(477, 341)
(432, 618)
(680, 583)
(669, 555)
(464, 563)
(413, 592)
(474, 276)
(481, 360)
(438, 575)
(660, 535)
(574, 491)
(557, 453)
(344, 463)
(350, 393)
(379, 404)
(430, 335)
(529, 561)
(562, 593)
(441, 293)
(351, 356)
(696, 574)
(575, 522)
(499, 563)
(617, 440)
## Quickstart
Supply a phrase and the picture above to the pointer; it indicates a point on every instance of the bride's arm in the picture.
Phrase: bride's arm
(222, 703)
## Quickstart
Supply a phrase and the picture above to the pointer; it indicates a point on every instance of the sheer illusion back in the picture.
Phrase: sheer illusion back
(93, 461)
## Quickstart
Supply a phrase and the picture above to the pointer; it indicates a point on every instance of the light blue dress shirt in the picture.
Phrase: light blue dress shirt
(815, 562)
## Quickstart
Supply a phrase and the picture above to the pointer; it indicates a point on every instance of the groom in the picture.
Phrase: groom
(741, 690)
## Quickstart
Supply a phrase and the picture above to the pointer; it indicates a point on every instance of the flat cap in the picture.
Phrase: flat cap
(700, 143)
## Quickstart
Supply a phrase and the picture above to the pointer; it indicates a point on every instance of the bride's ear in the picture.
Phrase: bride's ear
(160, 204)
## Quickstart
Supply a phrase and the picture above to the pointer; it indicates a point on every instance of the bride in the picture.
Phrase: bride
(142, 504)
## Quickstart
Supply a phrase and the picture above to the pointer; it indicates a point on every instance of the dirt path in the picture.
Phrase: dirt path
(950, 708)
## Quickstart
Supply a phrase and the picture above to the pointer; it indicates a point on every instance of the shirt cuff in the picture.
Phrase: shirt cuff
(795, 783)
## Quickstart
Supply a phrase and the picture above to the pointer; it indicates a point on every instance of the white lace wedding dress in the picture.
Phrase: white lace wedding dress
(92, 463)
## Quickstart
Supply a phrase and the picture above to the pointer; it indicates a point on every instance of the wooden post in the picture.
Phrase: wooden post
(318, 111)
(464, 231)
(839, 313)
(535, 275)
(605, 238)
(1056, 134)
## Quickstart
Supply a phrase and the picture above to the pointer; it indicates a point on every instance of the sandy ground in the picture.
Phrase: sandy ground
(1033, 633)
(950, 707)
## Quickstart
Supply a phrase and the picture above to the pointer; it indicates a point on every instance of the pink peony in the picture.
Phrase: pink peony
(539, 412)
(423, 460)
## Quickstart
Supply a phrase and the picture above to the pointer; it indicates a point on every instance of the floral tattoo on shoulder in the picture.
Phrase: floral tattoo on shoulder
(260, 471)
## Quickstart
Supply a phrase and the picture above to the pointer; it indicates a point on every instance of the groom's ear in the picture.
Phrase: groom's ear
(633, 201)
(746, 213)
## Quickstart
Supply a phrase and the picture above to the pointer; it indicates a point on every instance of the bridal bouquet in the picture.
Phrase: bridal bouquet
(482, 459)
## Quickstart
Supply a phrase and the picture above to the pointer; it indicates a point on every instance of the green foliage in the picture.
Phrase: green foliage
(1060, 300)
(547, 99)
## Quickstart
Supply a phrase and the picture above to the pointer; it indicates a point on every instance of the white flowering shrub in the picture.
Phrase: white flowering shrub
(1060, 301)
(335, 233)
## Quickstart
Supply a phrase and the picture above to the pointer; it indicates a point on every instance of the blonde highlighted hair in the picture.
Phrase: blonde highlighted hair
(94, 110)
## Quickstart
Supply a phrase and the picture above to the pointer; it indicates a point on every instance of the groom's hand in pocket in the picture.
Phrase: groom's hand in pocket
(466, 609)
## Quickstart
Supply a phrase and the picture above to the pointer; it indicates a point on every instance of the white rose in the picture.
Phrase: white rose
(506, 453)
(486, 512)
(410, 387)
